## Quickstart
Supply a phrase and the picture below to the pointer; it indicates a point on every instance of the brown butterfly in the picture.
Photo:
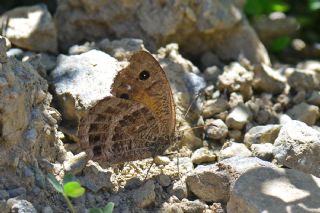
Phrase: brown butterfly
(137, 121)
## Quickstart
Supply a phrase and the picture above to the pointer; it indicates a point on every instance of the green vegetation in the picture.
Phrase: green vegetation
(73, 189)
(307, 13)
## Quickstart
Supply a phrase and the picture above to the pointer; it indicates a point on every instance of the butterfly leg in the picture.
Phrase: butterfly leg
(145, 178)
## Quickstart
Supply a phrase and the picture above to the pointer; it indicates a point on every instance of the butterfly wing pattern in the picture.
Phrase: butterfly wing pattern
(137, 122)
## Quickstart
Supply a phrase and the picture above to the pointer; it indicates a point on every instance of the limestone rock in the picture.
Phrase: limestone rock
(263, 151)
(209, 25)
(298, 147)
(212, 107)
(145, 196)
(314, 98)
(236, 78)
(304, 112)
(262, 134)
(306, 79)
(96, 178)
(216, 129)
(279, 190)
(220, 177)
(203, 155)
(76, 164)
(21, 206)
(239, 117)
(268, 80)
(31, 27)
(231, 149)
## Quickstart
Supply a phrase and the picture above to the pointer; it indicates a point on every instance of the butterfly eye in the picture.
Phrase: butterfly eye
(144, 75)
(124, 96)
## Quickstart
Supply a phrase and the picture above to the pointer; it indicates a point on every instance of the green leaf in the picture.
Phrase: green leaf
(55, 183)
(108, 208)
(280, 43)
(279, 7)
(254, 7)
(73, 189)
(96, 210)
(67, 178)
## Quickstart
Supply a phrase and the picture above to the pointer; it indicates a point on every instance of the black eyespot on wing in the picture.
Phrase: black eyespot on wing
(144, 75)
(124, 96)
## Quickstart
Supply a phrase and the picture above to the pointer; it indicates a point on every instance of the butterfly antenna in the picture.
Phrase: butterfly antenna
(194, 100)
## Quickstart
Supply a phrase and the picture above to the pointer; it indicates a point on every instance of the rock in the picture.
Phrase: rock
(20, 191)
(161, 160)
(235, 99)
(183, 164)
(76, 163)
(203, 155)
(220, 177)
(96, 178)
(211, 74)
(309, 65)
(179, 188)
(212, 107)
(87, 70)
(263, 151)
(235, 78)
(268, 80)
(31, 27)
(15, 53)
(121, 49)
(145, 195)
(21, 206)
(209, 59)
(305, 113)
(216, 129)
(298, 147)
(235, 134)
(231, 149)
(42, 62)
(164, 180)
(4, 195)
(238, 117)
(185, 206)
(47, 209)
(280, 190)
(306, 79)
(83, 48)
(262, 134)
(212, 25)
(314, 99)
(3, 50)
(269, 28)
(299, 97)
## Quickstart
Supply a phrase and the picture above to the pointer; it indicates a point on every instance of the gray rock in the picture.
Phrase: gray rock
(306, 79)
(236, 78)
(298, 147)
(96, 178)
(212, 107)
(15, 53)
(235, 134)
(263, 151)
(216, 129)
(186, 206)
(220, 177)
(262, 134)
(268, 80)
(314, 99)
(3, 50)
(239, 117)
(269, 28)
(231, 149)
(145, 195)
(279, 190)
(31, 27)
(4, 195)
(211, 74)
(164, 180)
(21, 206)
(305, 113)
(47, 209)
(76, 164)
(20, 191)
(217, 25)
(83, 48)
(179, 188)
(203, 155)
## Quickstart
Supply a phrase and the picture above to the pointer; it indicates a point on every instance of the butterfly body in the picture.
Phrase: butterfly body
(137, 121)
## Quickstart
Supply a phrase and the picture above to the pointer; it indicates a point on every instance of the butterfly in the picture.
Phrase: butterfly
(137, 121)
